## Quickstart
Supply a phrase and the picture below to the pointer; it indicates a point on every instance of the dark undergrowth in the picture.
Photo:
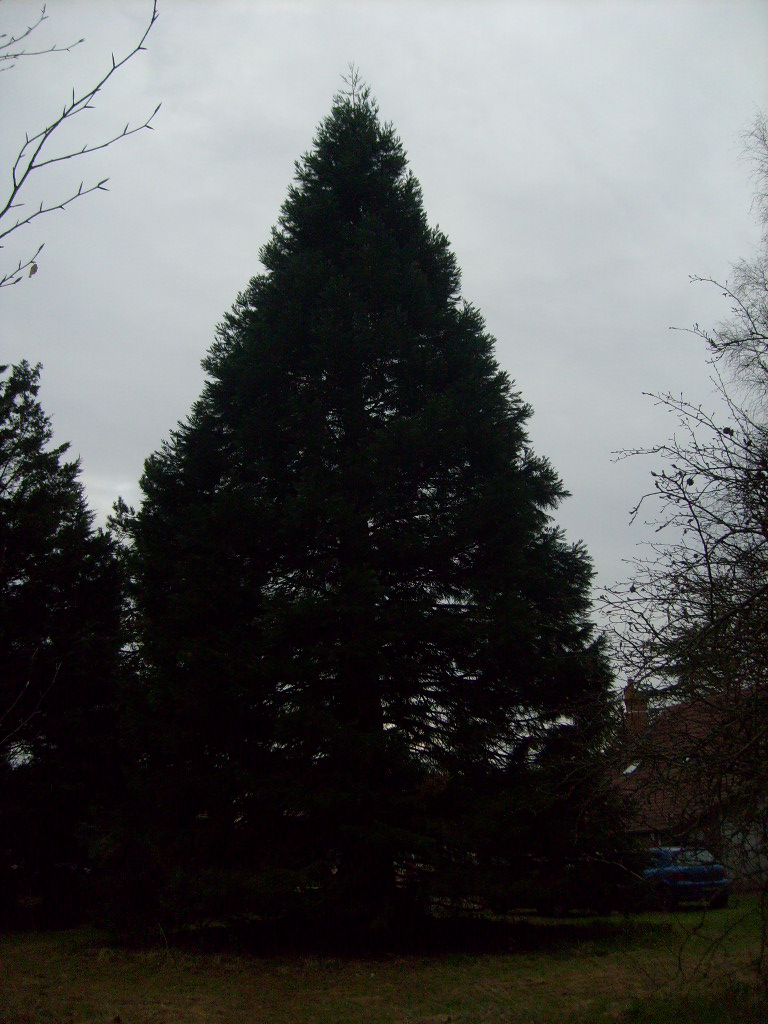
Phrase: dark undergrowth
(417, 936)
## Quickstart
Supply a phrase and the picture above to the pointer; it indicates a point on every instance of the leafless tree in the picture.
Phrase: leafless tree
(690, 625)
(37, 153)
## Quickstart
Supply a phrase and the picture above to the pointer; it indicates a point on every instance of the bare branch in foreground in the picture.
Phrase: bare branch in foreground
(9, 56)
(33, 154)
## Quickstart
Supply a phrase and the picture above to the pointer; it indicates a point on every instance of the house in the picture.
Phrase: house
(688, 770)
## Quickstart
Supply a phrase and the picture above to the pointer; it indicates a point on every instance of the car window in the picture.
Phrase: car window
(694, 858)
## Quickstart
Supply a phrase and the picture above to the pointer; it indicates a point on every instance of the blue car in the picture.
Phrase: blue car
(680, 874)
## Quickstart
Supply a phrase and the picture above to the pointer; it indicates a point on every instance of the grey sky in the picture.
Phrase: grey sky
(583, 158)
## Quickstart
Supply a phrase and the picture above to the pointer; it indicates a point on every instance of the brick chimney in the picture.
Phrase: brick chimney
(635, 710)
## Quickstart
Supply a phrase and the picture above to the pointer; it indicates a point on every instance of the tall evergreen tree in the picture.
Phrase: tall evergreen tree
(353, 600)
(59, 607)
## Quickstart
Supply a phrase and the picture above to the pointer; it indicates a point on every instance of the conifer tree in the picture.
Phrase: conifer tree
(355, 609)
(59, 619)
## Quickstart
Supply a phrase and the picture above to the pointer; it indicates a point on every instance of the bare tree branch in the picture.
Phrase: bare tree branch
(8, 42)
(690, 625)
(33, 157)
(21, 724)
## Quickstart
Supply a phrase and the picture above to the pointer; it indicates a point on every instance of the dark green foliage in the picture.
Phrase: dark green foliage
(59, 601)
(355, 613)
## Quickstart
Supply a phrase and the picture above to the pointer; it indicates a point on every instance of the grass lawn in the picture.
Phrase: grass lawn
(584, 970)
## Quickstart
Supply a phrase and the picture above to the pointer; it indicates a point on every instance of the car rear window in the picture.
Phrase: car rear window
(693, 858)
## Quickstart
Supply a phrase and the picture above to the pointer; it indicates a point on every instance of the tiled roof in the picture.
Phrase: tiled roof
(676, 762)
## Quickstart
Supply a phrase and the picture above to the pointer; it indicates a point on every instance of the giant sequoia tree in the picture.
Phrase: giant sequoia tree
(358, 623)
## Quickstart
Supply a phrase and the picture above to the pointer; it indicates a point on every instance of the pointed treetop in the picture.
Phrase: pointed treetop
(357, 89)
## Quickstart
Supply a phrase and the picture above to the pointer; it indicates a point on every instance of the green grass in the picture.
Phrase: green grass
(732, 1004)
(639, 970)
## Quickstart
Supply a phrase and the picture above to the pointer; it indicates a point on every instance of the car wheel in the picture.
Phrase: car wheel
(719, 902)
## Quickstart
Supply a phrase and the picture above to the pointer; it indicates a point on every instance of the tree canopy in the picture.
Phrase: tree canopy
(59, 609)
(356, 615)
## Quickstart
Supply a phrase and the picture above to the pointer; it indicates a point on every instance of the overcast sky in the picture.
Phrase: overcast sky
(583, 158)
